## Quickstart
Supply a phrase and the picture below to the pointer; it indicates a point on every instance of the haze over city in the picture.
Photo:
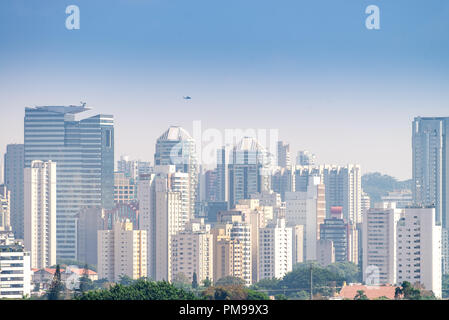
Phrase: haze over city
(311, 70)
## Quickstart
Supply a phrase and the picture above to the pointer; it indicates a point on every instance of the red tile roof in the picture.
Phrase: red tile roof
(372, 292)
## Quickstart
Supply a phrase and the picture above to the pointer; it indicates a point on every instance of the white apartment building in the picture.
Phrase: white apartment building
(419, 249)
(379, 243)
(164, 202)
(122, 251)
(192, 251)
(5, 209)
(40, 213)
(241, 232)
(15, 272)
(275, 250)
(307, 209)
(343, 187)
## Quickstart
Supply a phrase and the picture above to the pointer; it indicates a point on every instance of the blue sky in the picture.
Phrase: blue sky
(308, 68)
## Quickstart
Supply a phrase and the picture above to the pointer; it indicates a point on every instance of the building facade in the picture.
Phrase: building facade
(84, 152)
(13, 172)
(40, 196)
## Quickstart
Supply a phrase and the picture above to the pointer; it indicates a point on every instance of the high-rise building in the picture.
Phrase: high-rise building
(210, 181)
(275, 250)
(325, 252)
(241, 233)
(40, 213)
(227, 253)
(176, 147)
(282, 181)
(365, 204)
(5, 211)
(297, 244)
(379, 243)
(13, 172)
(90, 220)
(342, 234)
(122, 252)
(15, 279)
(163, 206)
(248, 170)
(133, 168)
(307, 209)
(402, 198)
(343, 187)
(305, 158)
(84, 152)
(222, 182)
(430, 140)
(418, 248)
(124, 188)
(192, 251)
(283, 154)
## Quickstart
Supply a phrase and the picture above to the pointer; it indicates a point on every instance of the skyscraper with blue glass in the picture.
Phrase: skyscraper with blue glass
(84, 153)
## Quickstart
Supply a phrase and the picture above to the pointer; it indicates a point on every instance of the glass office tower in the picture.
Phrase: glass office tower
(84, 154)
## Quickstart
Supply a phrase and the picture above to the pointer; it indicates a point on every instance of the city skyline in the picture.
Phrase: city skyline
(345, 93)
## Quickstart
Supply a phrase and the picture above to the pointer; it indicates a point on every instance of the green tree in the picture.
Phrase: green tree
(139, 290)
(194, 281)
(125, 280)
(256, 295)
(56, 286)
(324, 281)
(407, 292)
(207, 283)
(360, 295)
(229, 280)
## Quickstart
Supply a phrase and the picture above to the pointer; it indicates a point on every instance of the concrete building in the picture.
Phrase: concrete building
(13, 176)
(430, 141)
(228, 255)
(90, 221)
(192, 251)
(163, 212)
(238, 227)
(418, 248)
(275, 250)
(365, 204)
(124, 188)
(379, 243)
(222, 182)
(297, 244)
(40, 196)
(84, 152)
(305, 158)
(283, 154)
(132, 169)
(307, 209)
(5, 205)
(402, 198)
(248, 170)
(343, 187)
(325, 252)
(282, 181)
(15, 272)
(343, 235)
(122, 252)
(176, 147)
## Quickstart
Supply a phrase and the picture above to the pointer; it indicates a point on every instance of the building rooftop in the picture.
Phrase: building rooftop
(372, 292)
(175, 133)
(62, 109)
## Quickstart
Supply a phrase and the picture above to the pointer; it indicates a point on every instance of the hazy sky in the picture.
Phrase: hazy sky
(308, 68)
